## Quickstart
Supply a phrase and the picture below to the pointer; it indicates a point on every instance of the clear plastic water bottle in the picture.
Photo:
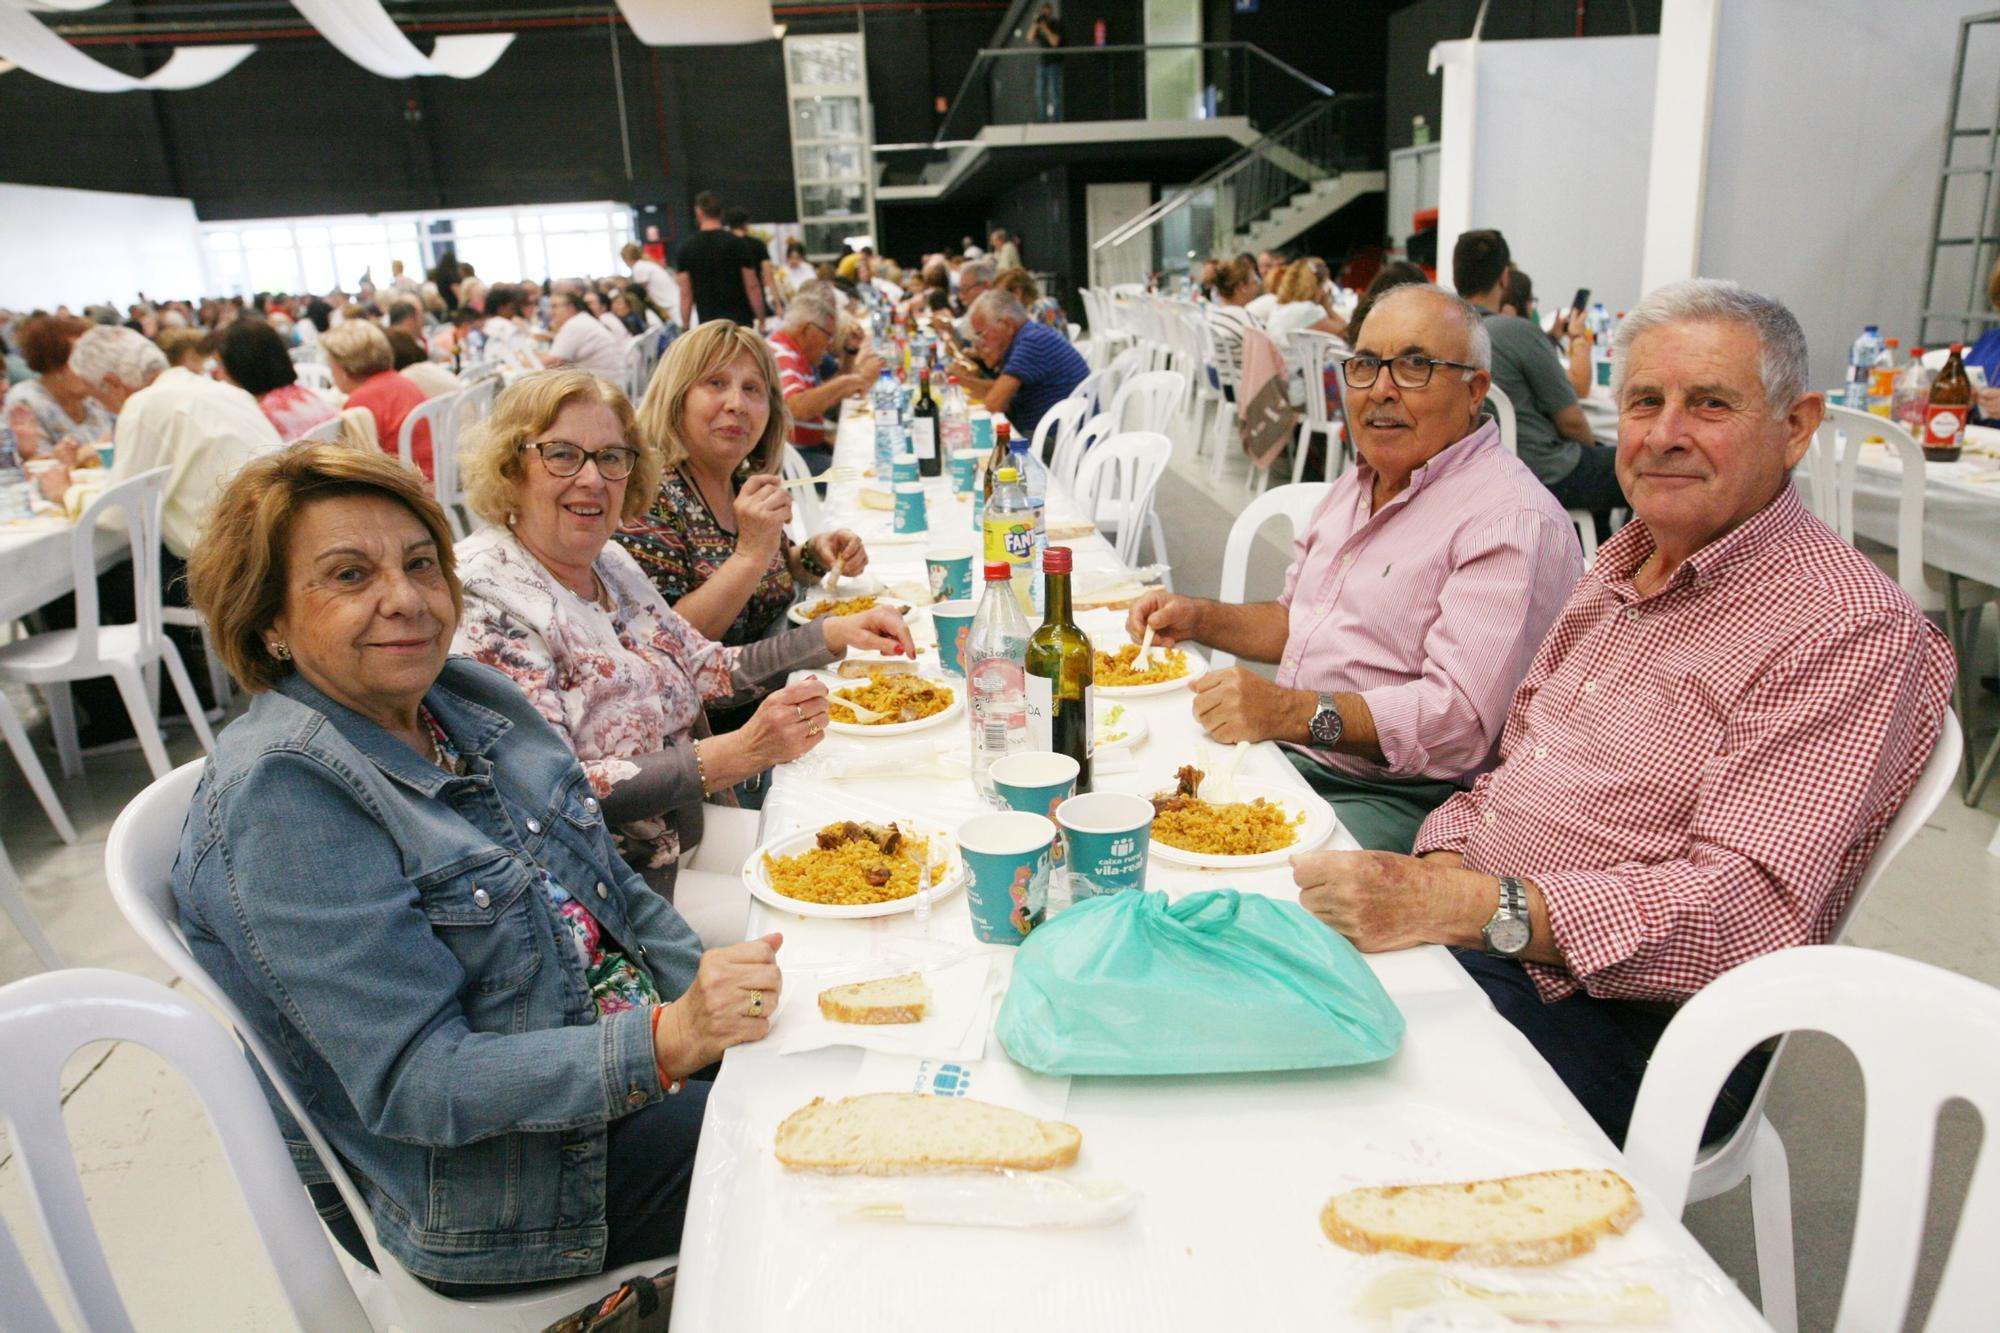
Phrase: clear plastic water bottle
(1912, 395)
(1861, 366)
(1035, 481)
(1598, 321)
(888, 423)
(995, 673)
(954, 419)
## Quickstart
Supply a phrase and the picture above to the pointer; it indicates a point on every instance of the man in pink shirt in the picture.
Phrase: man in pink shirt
(1703, 757)
(1416, 597)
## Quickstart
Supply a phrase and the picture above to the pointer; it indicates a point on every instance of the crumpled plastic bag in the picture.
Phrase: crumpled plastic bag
(1219, 982)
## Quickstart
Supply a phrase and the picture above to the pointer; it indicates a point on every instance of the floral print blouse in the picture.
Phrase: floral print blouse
(624, 687)
(679, 545)
(38, 423)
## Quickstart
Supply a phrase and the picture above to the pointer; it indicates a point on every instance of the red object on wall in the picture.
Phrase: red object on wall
(1097, 33)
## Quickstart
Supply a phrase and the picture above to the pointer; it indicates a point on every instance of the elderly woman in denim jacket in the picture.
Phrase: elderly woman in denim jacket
(401, 875)
(552, 601)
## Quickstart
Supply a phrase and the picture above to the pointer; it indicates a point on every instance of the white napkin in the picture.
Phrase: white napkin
(954, 1026)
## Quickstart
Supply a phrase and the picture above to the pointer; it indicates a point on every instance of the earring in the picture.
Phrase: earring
(280, 651)
(510, 519)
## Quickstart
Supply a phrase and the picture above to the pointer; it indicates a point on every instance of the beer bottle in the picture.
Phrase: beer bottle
(1946, 412)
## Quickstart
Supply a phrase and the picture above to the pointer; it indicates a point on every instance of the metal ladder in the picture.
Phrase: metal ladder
(1941, 320)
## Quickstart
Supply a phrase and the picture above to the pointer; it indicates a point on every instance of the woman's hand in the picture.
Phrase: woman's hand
(734, 994)
(763, 507)
(788, 723)
(1576, 326)
(54, 482)
(1989, 402)
(879, 629)
(841, 551)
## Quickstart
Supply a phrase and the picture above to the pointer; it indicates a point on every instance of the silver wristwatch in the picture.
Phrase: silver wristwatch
(1507, 934)
(1326, 726)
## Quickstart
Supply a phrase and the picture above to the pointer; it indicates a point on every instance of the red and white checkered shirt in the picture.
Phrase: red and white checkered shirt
(1700, 776)
(796, 376)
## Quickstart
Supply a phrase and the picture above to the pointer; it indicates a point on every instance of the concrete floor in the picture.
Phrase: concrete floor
(186, 1258)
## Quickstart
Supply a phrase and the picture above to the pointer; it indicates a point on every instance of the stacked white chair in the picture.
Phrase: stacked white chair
(642, 357)
(1295, 504)
(441, 414)
(138, 858)
(1316, 352)
(1072, 446)
(1056, 427)
(44, 1021)
(55, 658)
(1153, 397)
(1116, 482)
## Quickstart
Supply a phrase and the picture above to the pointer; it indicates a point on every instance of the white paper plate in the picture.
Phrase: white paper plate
(1197, 665)
(797, 612)
(951, 874)
(1130, 729)
(1318, 827)
(835, 684)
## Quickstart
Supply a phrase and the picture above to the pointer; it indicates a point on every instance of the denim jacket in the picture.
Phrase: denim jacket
(379, 923)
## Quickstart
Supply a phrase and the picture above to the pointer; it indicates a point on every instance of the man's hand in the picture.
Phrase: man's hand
(1989, 402)
(1172, 618)
(841, 551)
(1383, 901)
(1240, 705)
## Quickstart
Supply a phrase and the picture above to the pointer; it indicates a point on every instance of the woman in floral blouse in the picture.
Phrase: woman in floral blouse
(55, 408)
(551, 601)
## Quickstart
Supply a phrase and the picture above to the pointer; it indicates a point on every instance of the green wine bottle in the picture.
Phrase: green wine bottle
(1060, 692)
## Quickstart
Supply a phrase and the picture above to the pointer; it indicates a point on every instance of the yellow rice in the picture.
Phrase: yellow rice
(847, 606)
(836, 875)
(904, 697)
(1116, 668)
(1237, 828)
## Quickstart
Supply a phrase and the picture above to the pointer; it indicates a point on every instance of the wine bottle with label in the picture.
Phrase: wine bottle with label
(1060, 690)
(924, 429)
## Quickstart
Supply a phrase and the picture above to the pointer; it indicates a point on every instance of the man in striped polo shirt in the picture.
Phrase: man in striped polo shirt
(811, 329)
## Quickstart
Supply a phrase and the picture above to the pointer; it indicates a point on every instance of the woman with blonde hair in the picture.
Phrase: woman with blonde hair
(713, 538)
(1021, 284)
(552, 601)
(1302, 304)
(364, 368)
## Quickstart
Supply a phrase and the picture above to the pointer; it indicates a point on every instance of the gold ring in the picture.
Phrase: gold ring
(800, 710)
(756, 1004)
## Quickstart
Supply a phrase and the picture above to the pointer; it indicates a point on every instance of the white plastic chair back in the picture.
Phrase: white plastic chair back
(32, 770)
(445, 484)
(438, 412)
(14, 904)
(138, 860)
(44, 1020)
(1155, 394)
(805, 521)
(641, 358)
(314, 374)
(326, 432)
(1835, 449)
(1295, 504)
(1116, 481)
(1125, 365)
(1503, 408)
(1072, 448)
(1057, 425)
(142, 498)
(1922, 1036)
(1090, 389)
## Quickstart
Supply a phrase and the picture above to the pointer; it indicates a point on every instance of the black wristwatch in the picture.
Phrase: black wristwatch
(1326, 726)
(1508, 933)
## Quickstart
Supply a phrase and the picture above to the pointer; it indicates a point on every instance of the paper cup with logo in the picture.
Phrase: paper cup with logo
(953, 621)
(965, 469)
(1007, 855)
(950, 571)
(1036, 781)
(1105, 835)
(982, 431)
(105, 453)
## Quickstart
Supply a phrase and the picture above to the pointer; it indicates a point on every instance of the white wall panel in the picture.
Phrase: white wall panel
(70, 247)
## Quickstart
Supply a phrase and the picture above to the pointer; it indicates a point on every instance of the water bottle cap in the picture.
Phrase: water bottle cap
(998, 571)
(1007, 474)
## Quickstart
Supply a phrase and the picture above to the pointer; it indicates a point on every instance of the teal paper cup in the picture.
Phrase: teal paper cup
(105, 453)
(1007, 857)
(910, 515)
(1105, 837)
(954, 626)
(965, 469)
(982, 432)
(950, 572)
(1036, 782)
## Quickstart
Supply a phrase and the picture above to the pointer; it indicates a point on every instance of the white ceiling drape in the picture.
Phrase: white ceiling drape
(363, 31)
(698, 22)
(32, 45)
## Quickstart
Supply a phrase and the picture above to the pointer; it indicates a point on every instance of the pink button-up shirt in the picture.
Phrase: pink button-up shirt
(1432, 608)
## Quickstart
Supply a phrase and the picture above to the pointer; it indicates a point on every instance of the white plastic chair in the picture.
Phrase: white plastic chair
(1316, 351)
(1228, 379)
(55, 658)
(138, 860)
(326, 432)
(32, 770)
(1071, 449)
(1090, 390)
(1583, 520)
(1295, 504)
(218, 675)
(15, 904)
(1156, 394)
(315, 375)
(1115, 484)
(1057, 426)
(438, 412)
(1124, 366)
(44, 1021)
(642, 357)
(1753, 1151)
(805, 521)
(1922, 1036)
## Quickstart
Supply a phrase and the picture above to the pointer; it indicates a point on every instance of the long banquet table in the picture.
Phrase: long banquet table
(35, 565)
(1231, 1171)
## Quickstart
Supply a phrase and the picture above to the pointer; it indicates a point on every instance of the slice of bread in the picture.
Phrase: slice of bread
(861, 667)
(904, 1133)
(901, 999)
(1532, 1219)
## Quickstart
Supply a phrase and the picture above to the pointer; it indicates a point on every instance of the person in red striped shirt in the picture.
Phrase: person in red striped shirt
(1708, 746)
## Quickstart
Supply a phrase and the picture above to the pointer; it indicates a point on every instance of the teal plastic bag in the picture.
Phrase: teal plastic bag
(1219, 982)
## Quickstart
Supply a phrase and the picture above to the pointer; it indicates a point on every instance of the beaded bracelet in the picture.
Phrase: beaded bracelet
(700, 769)
(672, 1085)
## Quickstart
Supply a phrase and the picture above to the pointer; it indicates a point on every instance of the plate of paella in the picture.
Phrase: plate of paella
(1262, 824)
(804, 613)
(899, 702)
(1120, 675)
(853, 868)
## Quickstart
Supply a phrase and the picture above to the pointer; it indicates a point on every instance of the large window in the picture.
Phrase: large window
(318, 255)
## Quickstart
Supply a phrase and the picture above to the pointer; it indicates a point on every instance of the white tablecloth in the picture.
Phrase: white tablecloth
(1232, 1170)
(35, 565)
(1961, 515)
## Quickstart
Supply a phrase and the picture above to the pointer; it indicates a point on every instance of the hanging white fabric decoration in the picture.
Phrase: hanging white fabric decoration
(698, 22)
(38, 49)
(363, 32)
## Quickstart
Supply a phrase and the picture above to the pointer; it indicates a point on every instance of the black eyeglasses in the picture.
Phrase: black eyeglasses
(1411, 370)
(562, 459)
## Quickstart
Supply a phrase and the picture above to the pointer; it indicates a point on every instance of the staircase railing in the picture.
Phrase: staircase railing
(1330, 136)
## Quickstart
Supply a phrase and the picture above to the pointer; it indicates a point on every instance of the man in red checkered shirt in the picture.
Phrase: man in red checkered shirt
(1706, 749)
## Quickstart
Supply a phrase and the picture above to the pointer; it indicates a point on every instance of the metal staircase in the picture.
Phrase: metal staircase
(1310, 167)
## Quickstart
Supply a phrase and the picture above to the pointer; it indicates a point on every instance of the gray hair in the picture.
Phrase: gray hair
(1715, 300)
(979, 271)
(1478, 342)
(109, 350)
(999, 306)
(811, 307)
